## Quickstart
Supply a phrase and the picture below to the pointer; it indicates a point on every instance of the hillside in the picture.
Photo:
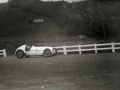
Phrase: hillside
(60, 18)
(23, 23)
(61, 22)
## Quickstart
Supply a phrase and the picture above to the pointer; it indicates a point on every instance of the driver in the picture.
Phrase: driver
(28, 47)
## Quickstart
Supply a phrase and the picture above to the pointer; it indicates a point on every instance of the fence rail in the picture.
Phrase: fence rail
(3, 52)
(91, 47)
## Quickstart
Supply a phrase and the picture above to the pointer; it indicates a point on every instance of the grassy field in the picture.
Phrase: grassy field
(77, 42)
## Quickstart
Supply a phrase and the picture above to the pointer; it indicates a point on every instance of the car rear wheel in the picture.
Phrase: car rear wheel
(20, 54)
(47, 53)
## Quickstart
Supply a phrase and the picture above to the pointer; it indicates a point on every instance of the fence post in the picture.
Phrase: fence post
(95, 48)
(113, 47)
(64, 48)
(4, 52)
(79, 49)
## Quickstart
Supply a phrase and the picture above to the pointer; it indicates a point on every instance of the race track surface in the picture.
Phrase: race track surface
(69, 72)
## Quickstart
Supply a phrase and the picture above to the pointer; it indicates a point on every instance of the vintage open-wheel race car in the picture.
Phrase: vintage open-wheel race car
(30, 50)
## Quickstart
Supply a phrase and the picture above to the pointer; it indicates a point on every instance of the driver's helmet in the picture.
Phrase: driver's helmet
(28, 47)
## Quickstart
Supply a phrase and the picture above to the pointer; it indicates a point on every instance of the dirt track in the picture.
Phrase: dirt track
(70, 72)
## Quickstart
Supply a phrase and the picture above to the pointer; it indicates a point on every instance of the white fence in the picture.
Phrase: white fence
(3, 52)
(91, 47)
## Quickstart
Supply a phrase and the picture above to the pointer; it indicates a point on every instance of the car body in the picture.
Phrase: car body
(30, 49)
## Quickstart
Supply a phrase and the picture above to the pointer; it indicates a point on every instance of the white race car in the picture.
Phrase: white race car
(30, 49)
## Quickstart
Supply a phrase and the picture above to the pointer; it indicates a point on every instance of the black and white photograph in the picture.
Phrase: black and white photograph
(59, 45)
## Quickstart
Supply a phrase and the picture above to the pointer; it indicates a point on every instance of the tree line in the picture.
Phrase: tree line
(88, 17)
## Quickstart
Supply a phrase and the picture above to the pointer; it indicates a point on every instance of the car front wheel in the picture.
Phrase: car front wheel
(47, 53)
(20, 54)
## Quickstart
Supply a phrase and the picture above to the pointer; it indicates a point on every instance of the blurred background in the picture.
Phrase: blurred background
(54, 22)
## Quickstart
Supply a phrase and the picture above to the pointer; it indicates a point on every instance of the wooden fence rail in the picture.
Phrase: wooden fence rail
(91, 47)
(3, 52)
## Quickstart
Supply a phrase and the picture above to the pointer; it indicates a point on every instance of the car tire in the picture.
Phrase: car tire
(20, 54)
(55, 51)
(47, 53)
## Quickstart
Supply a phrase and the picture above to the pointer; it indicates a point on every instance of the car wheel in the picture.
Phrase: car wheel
(20, 54)
(47, 53)
(54, 51)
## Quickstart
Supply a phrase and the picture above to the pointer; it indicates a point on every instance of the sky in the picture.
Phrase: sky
(65, 0)
(3, 1)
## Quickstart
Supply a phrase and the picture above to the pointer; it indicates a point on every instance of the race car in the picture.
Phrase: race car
(30, 50)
